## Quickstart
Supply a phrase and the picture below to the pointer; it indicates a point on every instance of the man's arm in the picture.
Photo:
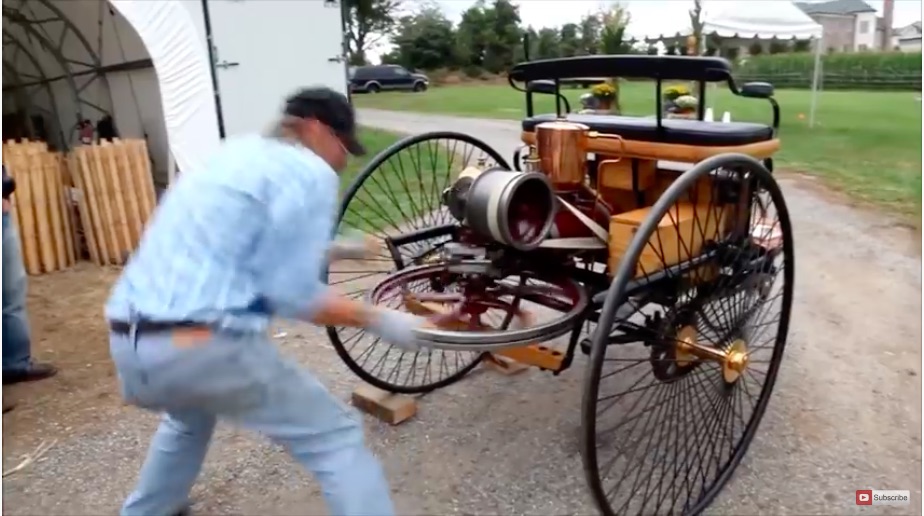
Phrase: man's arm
(295, 251)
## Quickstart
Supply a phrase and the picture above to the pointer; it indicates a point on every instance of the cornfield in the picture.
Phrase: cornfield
(861, 71)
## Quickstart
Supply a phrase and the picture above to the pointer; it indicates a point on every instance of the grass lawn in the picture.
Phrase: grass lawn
(375, 141)
(867, 144)
(406, 186)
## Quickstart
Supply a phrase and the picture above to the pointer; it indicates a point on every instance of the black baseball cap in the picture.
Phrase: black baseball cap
(331, 109)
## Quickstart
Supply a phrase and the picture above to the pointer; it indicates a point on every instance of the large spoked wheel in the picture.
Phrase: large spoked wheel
(397, 199)
(678, 385)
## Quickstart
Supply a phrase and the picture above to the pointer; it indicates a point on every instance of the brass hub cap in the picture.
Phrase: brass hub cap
(686, 342)
(736, 361)
(688, 350)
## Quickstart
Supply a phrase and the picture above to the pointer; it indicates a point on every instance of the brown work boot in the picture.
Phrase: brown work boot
(35, 371)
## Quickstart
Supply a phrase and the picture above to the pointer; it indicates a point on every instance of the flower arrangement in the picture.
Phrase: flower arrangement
(674, 91)
(686, 102)
(604, 91)
(678, 102)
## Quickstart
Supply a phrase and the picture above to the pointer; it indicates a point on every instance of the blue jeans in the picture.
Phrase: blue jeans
(241, 379)
(17, 349)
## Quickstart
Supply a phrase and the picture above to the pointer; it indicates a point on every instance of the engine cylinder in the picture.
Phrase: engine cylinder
(512, 208)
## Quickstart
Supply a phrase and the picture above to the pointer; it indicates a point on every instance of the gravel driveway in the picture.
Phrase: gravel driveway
(845, 414)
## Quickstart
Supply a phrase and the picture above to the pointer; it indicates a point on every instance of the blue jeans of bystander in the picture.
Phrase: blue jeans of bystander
(16, 345)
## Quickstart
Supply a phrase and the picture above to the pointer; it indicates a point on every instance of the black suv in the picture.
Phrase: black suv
(373, 79)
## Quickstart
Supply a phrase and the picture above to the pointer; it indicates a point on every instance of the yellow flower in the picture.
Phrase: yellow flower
(676, 90)
(603, 90)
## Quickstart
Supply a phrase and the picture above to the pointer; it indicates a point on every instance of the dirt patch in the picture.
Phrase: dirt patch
(68, 330)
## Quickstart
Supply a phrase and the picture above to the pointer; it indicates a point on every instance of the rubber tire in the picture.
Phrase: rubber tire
(419, 87)
(373, 88)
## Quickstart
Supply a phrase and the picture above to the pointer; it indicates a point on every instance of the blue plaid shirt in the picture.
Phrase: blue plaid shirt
(236, 243)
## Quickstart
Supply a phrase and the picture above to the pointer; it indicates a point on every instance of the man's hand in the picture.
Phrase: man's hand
(6, 205)
(353, 246)
(397, 327)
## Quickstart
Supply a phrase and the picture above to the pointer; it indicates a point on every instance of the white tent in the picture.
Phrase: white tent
(762, 19)
(170, 35)
(144, 61)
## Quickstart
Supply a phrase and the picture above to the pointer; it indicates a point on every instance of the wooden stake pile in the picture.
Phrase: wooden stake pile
(116, 196)
(41, 209)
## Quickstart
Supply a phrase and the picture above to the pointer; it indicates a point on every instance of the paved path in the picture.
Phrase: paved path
(845, 415)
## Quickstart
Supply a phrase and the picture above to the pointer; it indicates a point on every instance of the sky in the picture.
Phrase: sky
(648, 16)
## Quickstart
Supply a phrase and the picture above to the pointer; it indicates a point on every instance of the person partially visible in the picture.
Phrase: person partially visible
(17, 345)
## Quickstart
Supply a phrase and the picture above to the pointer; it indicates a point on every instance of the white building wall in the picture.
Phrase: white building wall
(865, 32)
(910, 45)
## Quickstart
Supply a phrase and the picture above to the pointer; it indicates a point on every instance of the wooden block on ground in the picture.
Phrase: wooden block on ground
(384, 406)
(503, 365)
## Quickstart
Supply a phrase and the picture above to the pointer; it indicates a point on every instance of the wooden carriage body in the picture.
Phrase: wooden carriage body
(629, 173)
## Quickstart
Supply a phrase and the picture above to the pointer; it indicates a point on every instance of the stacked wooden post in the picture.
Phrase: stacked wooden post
(116, 196)
(40, 206)
(99, 196)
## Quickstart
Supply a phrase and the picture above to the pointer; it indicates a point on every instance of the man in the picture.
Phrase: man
(231, 246)
(17, 345)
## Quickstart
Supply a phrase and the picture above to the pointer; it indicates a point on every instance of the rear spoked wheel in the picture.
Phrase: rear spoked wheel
(669, 415)
(397, 200)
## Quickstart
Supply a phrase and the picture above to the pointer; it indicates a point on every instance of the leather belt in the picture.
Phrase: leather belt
(124, 328)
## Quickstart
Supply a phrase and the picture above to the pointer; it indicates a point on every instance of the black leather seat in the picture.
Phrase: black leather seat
(684, 132)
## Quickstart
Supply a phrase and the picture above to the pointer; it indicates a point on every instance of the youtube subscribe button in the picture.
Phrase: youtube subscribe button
(883, 497)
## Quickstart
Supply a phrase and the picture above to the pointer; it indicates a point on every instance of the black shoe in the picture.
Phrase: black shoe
(35, 371)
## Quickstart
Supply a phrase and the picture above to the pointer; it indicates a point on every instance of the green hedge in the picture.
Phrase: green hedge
(863, 70)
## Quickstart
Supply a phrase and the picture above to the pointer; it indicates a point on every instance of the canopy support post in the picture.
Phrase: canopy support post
(815, 78)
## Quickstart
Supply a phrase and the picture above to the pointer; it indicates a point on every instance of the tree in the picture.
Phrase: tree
(802, 45)
(569, 42)
(590, 34)
(487, 37)
(548, 46)
(423, 41)
(504, 35)
(779, 47)
(696, 23)
(615, 21)
(471, 35)
(366, 22)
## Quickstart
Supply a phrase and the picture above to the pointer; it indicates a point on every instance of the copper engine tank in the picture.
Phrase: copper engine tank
(562, 148)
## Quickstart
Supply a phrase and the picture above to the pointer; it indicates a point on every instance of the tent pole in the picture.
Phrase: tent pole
(818, 44)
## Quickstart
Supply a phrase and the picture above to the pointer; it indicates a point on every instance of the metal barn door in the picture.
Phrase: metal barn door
(266, 49)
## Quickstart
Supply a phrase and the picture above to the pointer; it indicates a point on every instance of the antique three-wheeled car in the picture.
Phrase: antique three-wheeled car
(661, 250)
